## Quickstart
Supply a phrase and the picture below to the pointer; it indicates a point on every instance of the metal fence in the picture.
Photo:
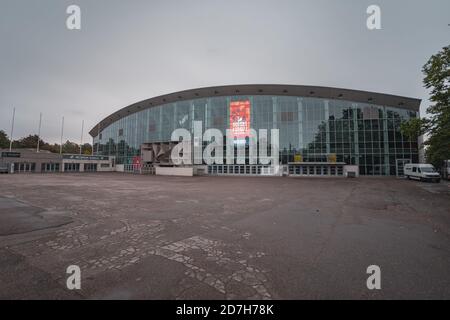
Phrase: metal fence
(249, 170)
(316, 170)
(145, 169)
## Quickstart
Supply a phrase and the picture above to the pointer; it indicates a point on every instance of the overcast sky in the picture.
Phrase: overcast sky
(127, 51)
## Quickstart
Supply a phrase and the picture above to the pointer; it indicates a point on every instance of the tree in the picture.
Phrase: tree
(437, 125)
(54, 148)
(70, 147)
(4, 140)
(86, 149)
(413, 128)
(437, 78)
(28, 142)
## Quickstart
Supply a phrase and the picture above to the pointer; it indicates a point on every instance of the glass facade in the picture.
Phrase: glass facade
(362, 134)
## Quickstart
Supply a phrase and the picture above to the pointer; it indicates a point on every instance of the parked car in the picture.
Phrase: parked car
(445, 170)
(422, 172)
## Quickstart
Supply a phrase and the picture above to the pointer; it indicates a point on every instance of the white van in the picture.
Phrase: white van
(422, 172)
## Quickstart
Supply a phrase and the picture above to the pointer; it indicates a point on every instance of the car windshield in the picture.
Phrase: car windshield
(427, 169)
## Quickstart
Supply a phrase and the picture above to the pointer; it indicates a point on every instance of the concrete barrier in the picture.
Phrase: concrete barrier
(175, 171)
(351, 171)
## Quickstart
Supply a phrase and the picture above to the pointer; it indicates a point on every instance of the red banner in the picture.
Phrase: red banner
(137, 162)
(240, 118)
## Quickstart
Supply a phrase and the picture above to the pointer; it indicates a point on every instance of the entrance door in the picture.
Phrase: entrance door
(400, 166)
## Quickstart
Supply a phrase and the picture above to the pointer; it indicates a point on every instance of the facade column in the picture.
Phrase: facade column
(192, 115)
(207, 105)
(300, 124)
(355, 132)
(160, 123)
(175, 116)
(227, 120)
(136, 144)
(147, 127)
(274, 112)
(385, 143)
(274, 126)
(327, 126)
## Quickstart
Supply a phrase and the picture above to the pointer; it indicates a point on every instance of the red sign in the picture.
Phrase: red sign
(137, 162)
(240, 118)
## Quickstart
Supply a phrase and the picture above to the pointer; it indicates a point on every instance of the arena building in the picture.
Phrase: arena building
(318, 126)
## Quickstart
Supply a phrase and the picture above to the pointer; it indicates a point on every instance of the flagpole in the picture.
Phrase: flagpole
(62, 132)
(82, 129)
(12, 129)
(39, 131)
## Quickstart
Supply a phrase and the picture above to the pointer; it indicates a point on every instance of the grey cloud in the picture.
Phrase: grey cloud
(132, 50)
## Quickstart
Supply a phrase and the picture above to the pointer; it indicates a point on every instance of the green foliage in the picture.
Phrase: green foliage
(70, 147)
(30, 142)
(437, 126)
(86, 149)
(437, 78)
(413, 128)
(438, 147)
(4, 140)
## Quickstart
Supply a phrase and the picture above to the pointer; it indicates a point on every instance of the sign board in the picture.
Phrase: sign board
(298, 158)
(240, 118)
(137, 162)
(332, 158)
(84, 157)
(8, 154)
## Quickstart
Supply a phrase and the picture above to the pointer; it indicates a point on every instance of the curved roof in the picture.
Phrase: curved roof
(263, 89)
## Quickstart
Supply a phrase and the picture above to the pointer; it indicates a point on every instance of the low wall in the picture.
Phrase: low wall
(351, 168)
(174, 171)
(200, 170)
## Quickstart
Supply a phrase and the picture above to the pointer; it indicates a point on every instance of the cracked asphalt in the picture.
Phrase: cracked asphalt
(153, 237)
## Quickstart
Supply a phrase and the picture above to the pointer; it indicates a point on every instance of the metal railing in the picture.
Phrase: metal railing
(145, 169)
(241, 169)
(316, 170)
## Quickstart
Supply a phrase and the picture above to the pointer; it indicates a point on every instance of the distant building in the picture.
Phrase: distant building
(28, 160)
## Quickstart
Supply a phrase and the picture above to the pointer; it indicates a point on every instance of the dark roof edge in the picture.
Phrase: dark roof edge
(263, 89)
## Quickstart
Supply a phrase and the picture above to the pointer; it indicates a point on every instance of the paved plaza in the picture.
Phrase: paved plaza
(153, 237)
